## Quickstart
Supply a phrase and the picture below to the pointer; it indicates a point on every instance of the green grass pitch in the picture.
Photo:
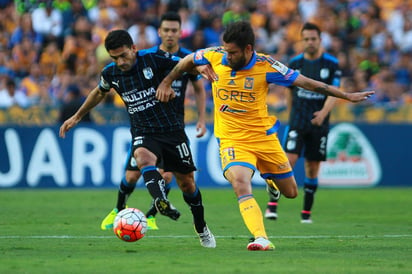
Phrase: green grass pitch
(354, 231)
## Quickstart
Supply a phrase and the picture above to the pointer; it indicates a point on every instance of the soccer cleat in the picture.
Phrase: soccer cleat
(206, 238)
(306, 221)
(273, 192)
(151, 223)
(164, 207)
(270, 215)
(107, 222)
(261, 244)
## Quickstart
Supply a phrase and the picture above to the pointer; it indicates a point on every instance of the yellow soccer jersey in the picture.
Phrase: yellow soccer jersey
(240, 109)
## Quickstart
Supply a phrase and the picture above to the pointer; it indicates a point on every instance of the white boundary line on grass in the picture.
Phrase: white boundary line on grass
(191, 236)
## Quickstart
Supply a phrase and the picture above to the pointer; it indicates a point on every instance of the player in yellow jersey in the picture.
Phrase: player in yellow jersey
(245, 131)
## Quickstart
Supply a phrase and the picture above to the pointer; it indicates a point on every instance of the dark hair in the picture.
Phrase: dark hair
(239, 33)
(171, 16)
(117, 39)
(311, 26)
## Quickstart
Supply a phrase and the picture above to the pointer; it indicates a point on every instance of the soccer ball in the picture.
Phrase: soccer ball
(130, 225)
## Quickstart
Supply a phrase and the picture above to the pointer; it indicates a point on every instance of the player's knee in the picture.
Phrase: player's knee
(186, 182)
(290, 192)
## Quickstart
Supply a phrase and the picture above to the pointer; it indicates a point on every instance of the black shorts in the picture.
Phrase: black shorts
(171, 149)
(311, 143)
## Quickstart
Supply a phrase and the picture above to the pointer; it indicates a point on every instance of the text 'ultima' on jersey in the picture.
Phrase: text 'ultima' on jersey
(239, 96)
(304, 102)
(137, 88)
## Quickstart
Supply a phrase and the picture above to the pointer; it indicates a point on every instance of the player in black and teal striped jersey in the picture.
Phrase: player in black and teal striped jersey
(157, 131)
(307, 132)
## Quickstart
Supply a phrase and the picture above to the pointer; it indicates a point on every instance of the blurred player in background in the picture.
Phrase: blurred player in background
(307, 132)
(169, 32)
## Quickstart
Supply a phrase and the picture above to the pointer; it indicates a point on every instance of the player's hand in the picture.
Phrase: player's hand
(207, 72)
(201, 129)
(318, 118)
(165, 93)
(359, 96)
(67, 125)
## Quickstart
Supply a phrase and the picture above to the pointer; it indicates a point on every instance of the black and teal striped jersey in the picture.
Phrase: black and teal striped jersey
(179, 85)
(305, 102)
(137, 88)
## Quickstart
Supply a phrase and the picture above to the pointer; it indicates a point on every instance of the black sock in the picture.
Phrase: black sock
(152, 210)
(195, 203)
(154, 182)
(308, 199)
(125, 189)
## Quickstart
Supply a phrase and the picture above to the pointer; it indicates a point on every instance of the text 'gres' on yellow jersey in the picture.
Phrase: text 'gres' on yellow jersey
(239, 96)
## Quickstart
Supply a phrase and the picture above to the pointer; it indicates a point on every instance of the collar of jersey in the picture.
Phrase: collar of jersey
(248, 66)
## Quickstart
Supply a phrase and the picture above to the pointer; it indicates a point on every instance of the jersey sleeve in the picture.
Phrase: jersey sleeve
(280, 74)
(204, 56)
(104, 83)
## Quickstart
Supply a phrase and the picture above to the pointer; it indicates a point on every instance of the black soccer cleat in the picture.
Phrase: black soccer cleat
(164, 207)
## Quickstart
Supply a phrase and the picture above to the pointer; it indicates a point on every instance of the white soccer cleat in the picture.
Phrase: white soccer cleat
(206, 238)
(261, 244)
(270, 215)
(306, 221)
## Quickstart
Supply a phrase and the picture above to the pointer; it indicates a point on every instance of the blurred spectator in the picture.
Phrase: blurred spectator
(58, 86)
(213, 32)
(23, 56)
(276, 34)
(389, 93)
(188, 25)
(5, 63)
(50, 60)
(70, 16)
(25, 30)
(48, 21)
(9, 96)
(72, 102)
(282, 8)
(196, 42)
(236, 12)
(402, 71)
(35, 86)
(76, 50)
(403, 36)
(389, 53)
(308, 9)
(143, 34)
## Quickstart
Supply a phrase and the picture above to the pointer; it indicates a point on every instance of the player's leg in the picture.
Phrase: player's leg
(167, 176)
(240, 178)
(310, 185)
(315, 152)
(178, 158)
(126, 187)
(293, 146)
(193, 198)
(151, 213)
(155, 184)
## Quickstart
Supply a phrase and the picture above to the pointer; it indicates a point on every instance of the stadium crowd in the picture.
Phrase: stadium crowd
(47, 47)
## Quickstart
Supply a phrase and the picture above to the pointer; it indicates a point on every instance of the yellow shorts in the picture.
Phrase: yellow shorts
(265, 155)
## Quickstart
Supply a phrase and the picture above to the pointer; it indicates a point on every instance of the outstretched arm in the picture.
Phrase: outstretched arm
(320, 87)
(93, 99)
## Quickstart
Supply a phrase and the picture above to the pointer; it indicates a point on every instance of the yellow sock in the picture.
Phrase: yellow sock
(253, 218)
